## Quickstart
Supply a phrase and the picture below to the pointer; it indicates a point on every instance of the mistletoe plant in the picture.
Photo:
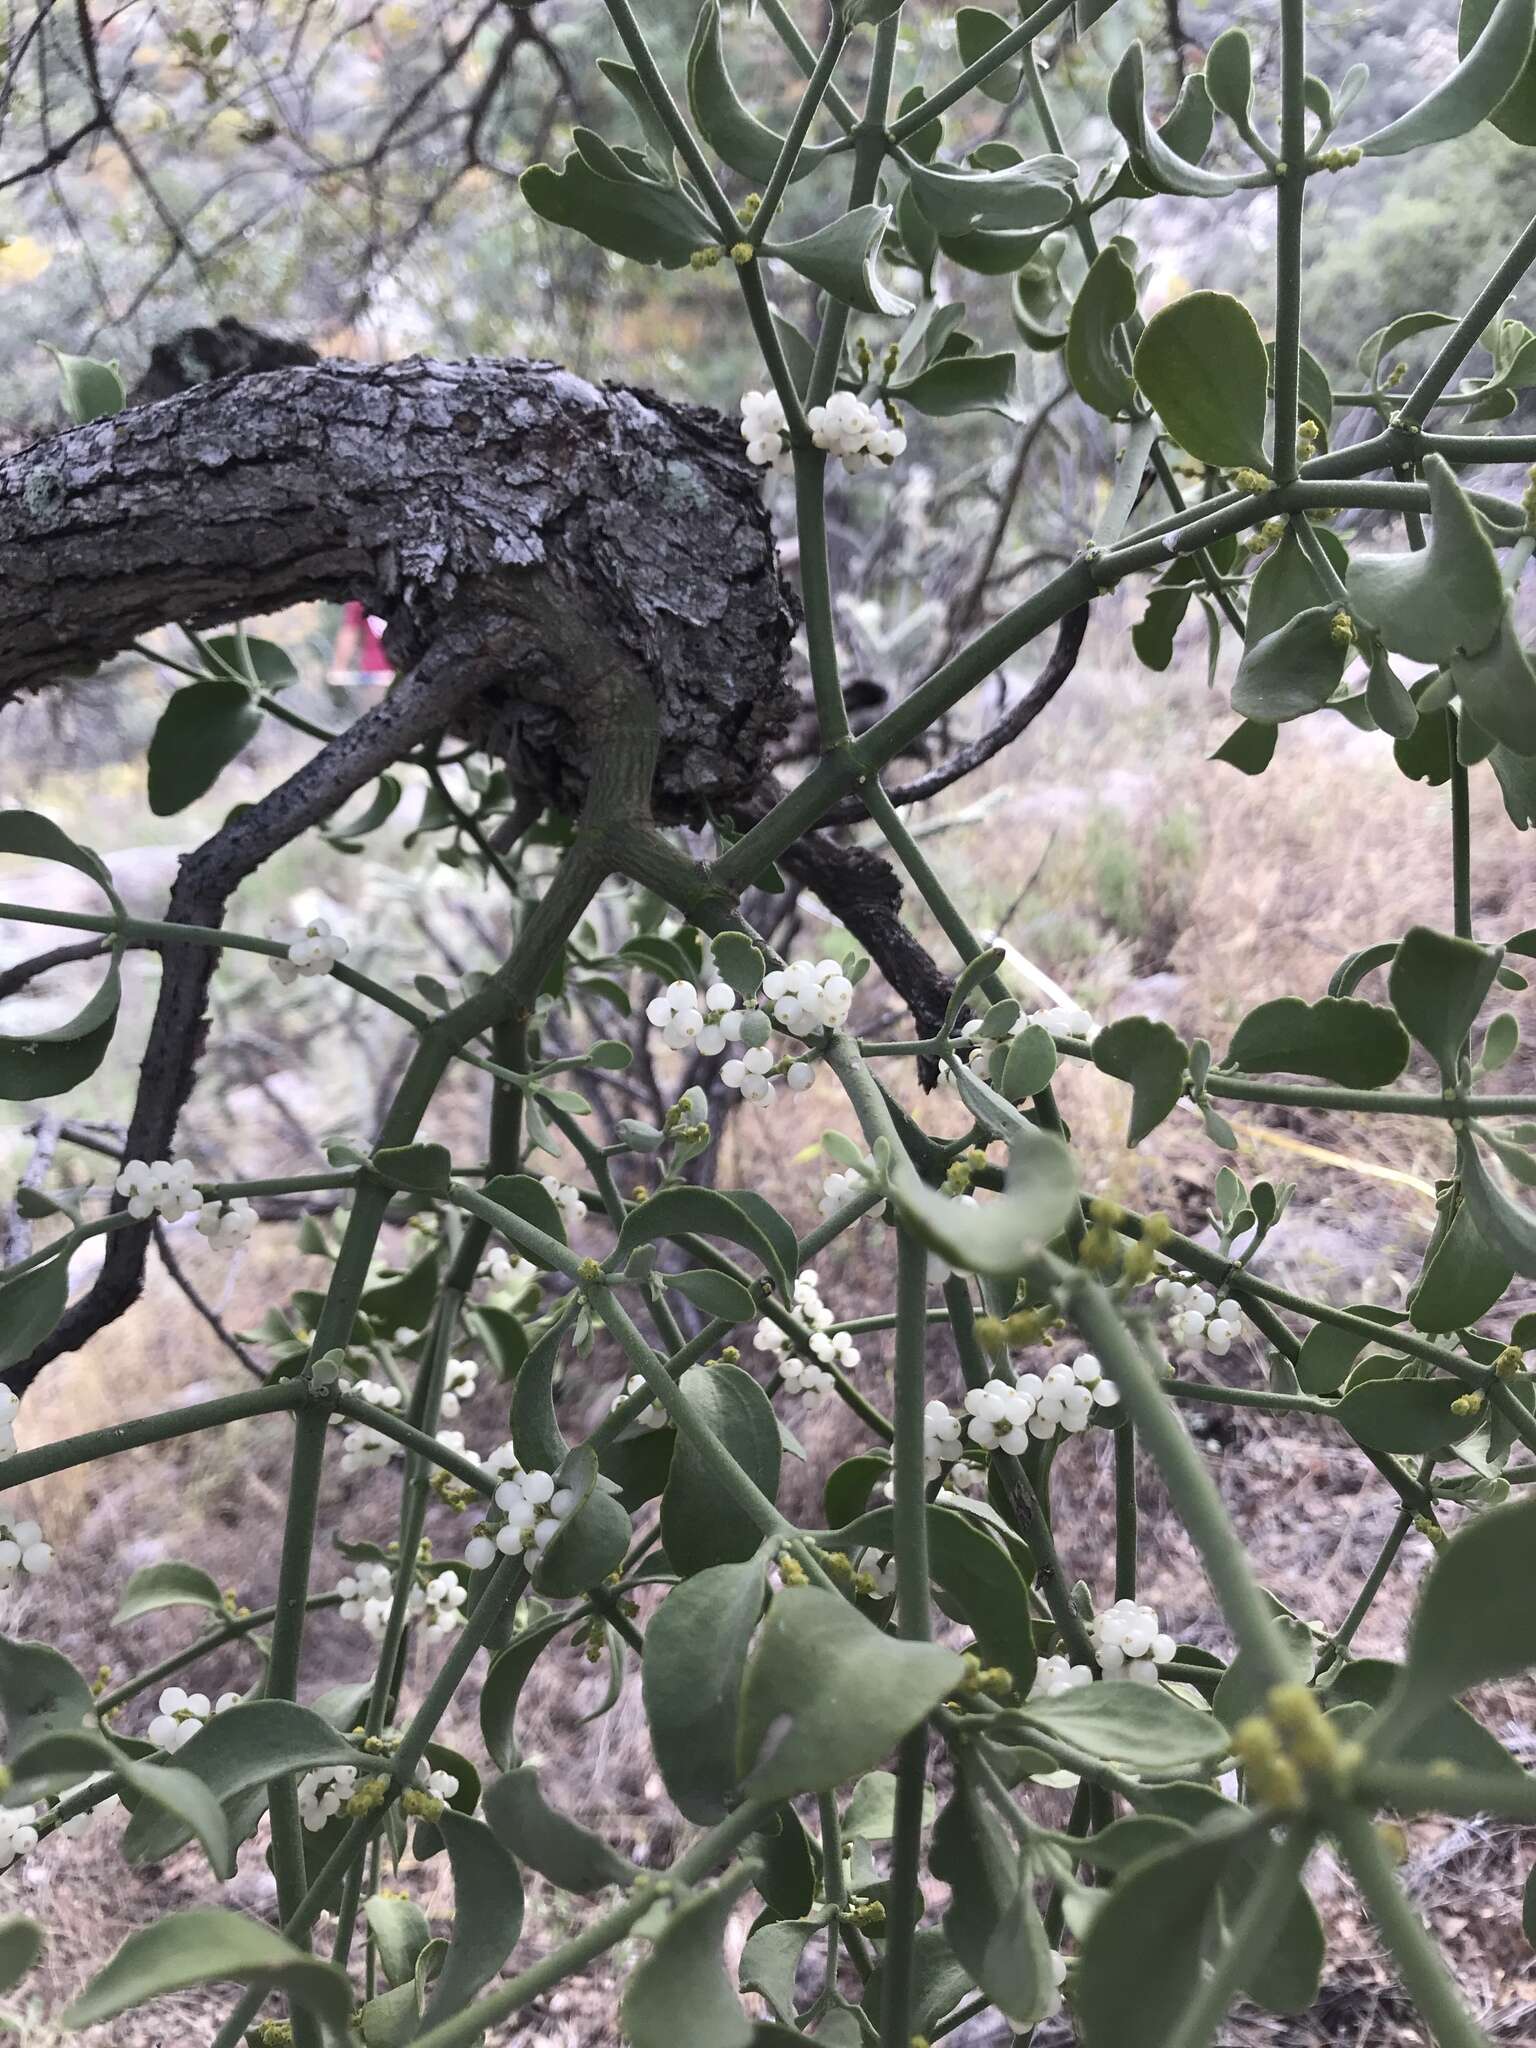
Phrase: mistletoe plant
(606, 659)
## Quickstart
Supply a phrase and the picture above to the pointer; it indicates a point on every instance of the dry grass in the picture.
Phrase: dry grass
(1140, 879)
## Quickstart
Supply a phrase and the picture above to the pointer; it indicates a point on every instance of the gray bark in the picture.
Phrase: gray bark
(554, 533)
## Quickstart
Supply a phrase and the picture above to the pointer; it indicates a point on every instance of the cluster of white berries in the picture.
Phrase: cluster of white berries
(459, 1378)
(159, 1187)
(533, 1508)
(22, 1547)
(183, 1713)
(801, 1375)
(808, 995)
(364, 1449)
(566, 1199)
(227, 1225)
(763, 428)
(838, 1188)
(1130, 1642)
(653, 1415)
(10, 1408)
(501, 1269)
(1197, 1320)
(323, 1793)
(18, 1833)
(368, 1593)
(313, 948)
(1057, 1675)
(1004, 1417)
(942, 1442)
(846, 426)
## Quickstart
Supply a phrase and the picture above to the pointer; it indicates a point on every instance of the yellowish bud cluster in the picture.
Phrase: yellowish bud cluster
(743, 253)
(1141, 1257)
(272, 2033)
(866, 1914)
(1340, 159)
(1252, 480)
(1341, 629)
(1429, 1529)
(1291, 1751)
(892, 358)
(706, 259)
(1306, 438)
(991, 1335)
(368, 1798)
(1100, 1248)
(1467, 1404)
(958, 1177)
(1264, 537)
(791, 1571)
(420, 1805)
(1510, 1362)
(1394, 376)
(748, 211)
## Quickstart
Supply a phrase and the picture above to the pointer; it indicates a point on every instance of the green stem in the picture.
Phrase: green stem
(1125, 1511)
(1461, 834)
(1291, 198)
(1250, 1935)
(23, 1467)
(1425, 1977)
(967, 80)
(799, 127)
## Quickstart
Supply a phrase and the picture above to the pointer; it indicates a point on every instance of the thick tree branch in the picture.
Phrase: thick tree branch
(549, 528)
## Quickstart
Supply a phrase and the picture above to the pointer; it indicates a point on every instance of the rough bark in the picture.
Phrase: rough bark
(557, 532)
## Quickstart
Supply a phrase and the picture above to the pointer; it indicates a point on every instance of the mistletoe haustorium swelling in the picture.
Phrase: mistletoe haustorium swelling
(591, 639)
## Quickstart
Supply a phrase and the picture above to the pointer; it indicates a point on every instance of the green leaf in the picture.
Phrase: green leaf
(400, 1932)
(407, 1301)
(590, 1542)
(1031, 196)
(1515, 115)
(487, 1913)
(422, 1169)
(827, 1695)
(1498, 689)
(1155, 163)
(1435, 602)
(1141, 1960)
(1405, 1415)
(91, 389)
(716, 1293)
(1387, 700)
(736, 136)
(978, 30)
(1327, 1352)
(1004, 1234)
(871, 1809)
(1438, 984)
(1443, 1734)
(569, 1855)
(1462, 1279)
(770, 1959)
(1201, 364)
(171, 1584)
(205, 1946)
(1229, 74)
(1137, 1725)
(1473, 90)
(1356, 1044)
(200, 732)
(261, 662)
(1152, 1057)
(1097, 346)
(702, 1525)
(991, 1922)
(238, 1752)
(1467, 1630)
(43, 1063)
(680, 1997)
(527, 1199)
(691, 1674)
(1036, 298)
(30, 1306)
(959, 384)
(939, 1982)
(738, 962)
(504, 1681)
(1029, 1064)
(974, 1577)
(704, 1212)
(1505, 1226)
(40, 1693)
(1292, 671)
(21, 1943)
(635, 217)
(841, 259)
(1249, 748)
